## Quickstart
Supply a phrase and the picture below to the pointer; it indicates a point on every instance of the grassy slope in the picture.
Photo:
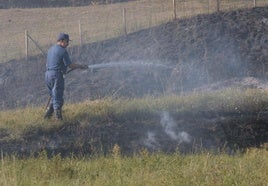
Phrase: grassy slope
(204, 169)
(228, 101)
(16, 19)
(98, 22)
(142, 168)
(156, 169)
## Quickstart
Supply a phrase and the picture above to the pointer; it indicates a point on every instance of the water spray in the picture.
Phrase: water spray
(127, 65)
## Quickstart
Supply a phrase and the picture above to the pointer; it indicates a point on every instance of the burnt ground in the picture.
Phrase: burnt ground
(204, 53)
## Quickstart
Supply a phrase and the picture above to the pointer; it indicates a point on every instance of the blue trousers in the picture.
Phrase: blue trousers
(55, 84)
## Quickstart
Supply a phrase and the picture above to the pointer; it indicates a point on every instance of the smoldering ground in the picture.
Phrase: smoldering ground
(170, 130)
(164, 131)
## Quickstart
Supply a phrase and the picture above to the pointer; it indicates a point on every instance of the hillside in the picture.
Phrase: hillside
(196, 52)
(206, 53)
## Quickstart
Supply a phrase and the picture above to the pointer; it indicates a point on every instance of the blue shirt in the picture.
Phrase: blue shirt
(58, 59)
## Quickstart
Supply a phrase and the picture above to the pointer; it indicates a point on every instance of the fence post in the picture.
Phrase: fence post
(26, 43)
(208, 5)
(218, 5)
(174, 9)
(80, 32)
(254, 3)
(124, 21)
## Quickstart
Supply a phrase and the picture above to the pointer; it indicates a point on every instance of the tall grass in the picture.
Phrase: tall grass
(250, 168)
(225, 101)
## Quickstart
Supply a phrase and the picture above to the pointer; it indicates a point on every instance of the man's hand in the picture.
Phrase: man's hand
(83, 67)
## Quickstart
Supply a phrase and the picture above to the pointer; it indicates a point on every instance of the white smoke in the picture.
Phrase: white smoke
(150, 141)
(169, 125)
(171, 129)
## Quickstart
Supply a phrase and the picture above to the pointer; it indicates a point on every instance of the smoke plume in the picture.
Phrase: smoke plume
(168, 127)
(172, 130)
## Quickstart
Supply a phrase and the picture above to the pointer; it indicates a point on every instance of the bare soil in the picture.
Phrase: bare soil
(204, 53)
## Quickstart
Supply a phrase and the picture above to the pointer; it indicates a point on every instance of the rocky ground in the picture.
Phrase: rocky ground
(204, 53)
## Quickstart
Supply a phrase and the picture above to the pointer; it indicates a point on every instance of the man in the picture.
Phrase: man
(58, 61)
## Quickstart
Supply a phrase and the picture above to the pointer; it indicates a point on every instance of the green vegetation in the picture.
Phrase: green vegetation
(249, 168)
(143, 168)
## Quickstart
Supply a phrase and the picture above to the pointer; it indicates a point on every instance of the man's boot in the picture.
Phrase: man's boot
(49, 112)
(58, 114)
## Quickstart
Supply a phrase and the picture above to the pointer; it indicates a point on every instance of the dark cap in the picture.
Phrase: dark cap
(63, 36)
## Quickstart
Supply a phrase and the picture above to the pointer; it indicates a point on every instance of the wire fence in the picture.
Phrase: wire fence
(28, 32)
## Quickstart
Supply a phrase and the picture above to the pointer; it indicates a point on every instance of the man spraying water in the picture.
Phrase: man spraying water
(58, 61)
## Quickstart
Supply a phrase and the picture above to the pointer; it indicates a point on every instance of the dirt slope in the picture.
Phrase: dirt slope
(201, 53)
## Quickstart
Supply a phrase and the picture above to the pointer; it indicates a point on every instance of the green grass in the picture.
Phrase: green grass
(143, 168)
(156, 169)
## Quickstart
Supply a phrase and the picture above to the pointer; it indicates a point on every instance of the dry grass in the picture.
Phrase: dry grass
(98, 22)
